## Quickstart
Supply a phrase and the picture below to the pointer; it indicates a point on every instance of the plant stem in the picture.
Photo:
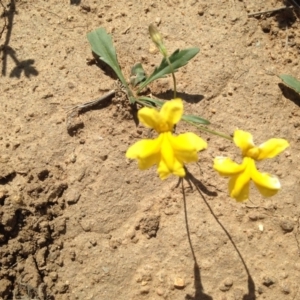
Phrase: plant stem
(211, 131)
(173, 75)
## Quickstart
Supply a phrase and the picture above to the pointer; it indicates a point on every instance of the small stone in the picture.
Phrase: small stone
(153, 49)
(226, 285)
(228, 282)
(268, 281)
(93, 243)
(53, 276)
(144, 290)
(260, 290)
(179, 283)
(43, 174)
(159, 291)
(72, 255)
(62, 287)
(200, 10)
(266, 26)
(287, 225)
(103, 157)
(85, 7)
(72, 197)
(253, 216)
(285, 289)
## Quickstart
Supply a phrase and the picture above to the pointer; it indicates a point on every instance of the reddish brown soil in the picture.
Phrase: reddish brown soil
(78, 220)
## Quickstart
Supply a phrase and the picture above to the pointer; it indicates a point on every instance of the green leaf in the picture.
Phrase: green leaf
(102, 45)
(291, 81)
(178, 59)
(156, 102)
(138, 74)
(195, 119)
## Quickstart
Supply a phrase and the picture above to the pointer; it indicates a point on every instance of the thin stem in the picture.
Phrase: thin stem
(173, 75)
(211, 131)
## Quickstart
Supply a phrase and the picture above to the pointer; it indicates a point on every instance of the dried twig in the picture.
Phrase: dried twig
(268, 11)
(88, 105)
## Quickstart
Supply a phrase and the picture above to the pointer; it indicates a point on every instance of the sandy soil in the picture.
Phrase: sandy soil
(78, 220)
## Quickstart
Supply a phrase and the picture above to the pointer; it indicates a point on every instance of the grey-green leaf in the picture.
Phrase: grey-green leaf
(102, 45)
(291, 81)
(178, 59)
(138, 74)
(195, 119)
(156, 102)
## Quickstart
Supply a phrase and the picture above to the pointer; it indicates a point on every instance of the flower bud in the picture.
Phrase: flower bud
(157, 39)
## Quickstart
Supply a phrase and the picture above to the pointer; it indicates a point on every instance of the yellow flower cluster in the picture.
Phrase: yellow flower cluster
(241, 175)
(167, 151)
(170, 153)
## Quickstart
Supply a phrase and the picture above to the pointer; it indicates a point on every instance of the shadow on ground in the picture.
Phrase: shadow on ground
(25, 65)
(190, 98)
(289, 93)
(199, 294)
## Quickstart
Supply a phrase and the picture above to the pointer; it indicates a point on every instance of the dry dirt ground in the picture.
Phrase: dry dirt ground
(80, 221)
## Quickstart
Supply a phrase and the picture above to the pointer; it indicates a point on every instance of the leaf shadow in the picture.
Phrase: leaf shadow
(108, 71)
(190, 98)
(287, 16)
(289, 93)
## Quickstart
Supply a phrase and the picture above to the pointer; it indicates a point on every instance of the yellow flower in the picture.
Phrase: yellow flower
(240, 175)
(167, 151)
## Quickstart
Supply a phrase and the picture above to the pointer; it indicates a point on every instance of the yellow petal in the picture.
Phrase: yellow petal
(243, 140)
(239, 183)
(150, 117)
(239, 187)
(226, 167)
(167, 152)
(271, 148)
(171, 112)
(186, 146)
(169, 164)
(267, 184)
(147, 152)
(179, 169)
(164, 171)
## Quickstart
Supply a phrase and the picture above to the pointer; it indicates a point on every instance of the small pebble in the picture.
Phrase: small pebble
(93, 243)
(266, 26)
(287, 225)
(53, 275)
(285, 289)
(157, 21)
(144, 290)
(85, 7)
(268, 281)
(228, 282)
(179, 283)
(159, 292)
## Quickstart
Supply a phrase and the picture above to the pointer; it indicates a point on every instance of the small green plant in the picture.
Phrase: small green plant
(102, 46)
(170, 152)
